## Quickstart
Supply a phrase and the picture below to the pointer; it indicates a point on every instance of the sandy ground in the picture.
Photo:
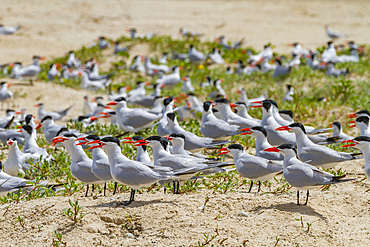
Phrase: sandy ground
(339, 217)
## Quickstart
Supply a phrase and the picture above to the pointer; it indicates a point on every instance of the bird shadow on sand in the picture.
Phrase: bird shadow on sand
(294, 208)
(134, 204)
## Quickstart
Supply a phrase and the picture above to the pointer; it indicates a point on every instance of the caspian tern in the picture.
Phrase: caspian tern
(270, 124)
(50, 128)
(362, 123)
(118, 48)
(216, 57)
(10, 183)
(29, 71)
(289, 93)
(332, 71)
(224, 107)
(87, 83)
(56, 115)
(280, 70)
(142, 155)
(189, 34)
(72, 61)
(330, 54)
(146, 100)
(228, 46)
(338, 132)
(219, 92)
(5, 93)
(163, 59)
(193, 143)
(252, 167)
(17, 161)
(132, 119)
(9, 30)
(261, 143)
(302, 175)
(298, 50)
(53, 71)
(129, 172)
(244, 98)
(103, 43)
(172, 78)
(80, 163)
(100, 164)
(242, 109)
(196, 56)
(333, 34)
(137, 64)
(315, 154)
(31, 146)
(152, 69)
(214, 127)
(121, 92)
(187, 86)
(168, 105)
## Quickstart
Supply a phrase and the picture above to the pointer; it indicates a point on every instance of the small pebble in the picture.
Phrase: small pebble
(242, 214)
(129, 235)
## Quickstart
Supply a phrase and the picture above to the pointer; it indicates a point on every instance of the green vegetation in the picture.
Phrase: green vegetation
(344, 95)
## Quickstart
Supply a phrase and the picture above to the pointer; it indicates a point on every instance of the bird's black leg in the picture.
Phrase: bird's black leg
(174, 187)
(298, 197)
(105, 187)
(87, 190)
(259, 187)
(250, 188)
(178, 187)
(132, 197)
(164, 188)
(308, 192)
(93, 187)
(115, 188)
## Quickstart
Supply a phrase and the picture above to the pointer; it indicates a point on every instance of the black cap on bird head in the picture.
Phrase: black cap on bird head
(288, 86)
(92, 137)
(63, 129)
(171, 116)
(207, 105)
(111, 139)
(287, 146)
(363, 119)
(153, 138)
(46, 118)
(235, 146)
(299, 125)
(27, 128)
(28, 118)
(167, 101)
(287, 112)
(240, 103)
(177, 135)
(119, 99)
(338, 124)
(260, 129)
(69, 134)
(363, 112)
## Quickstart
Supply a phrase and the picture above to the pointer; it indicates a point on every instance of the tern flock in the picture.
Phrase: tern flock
(283, 147)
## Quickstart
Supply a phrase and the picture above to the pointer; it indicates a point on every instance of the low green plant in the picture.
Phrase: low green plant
(58, 239)
(75, 212)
